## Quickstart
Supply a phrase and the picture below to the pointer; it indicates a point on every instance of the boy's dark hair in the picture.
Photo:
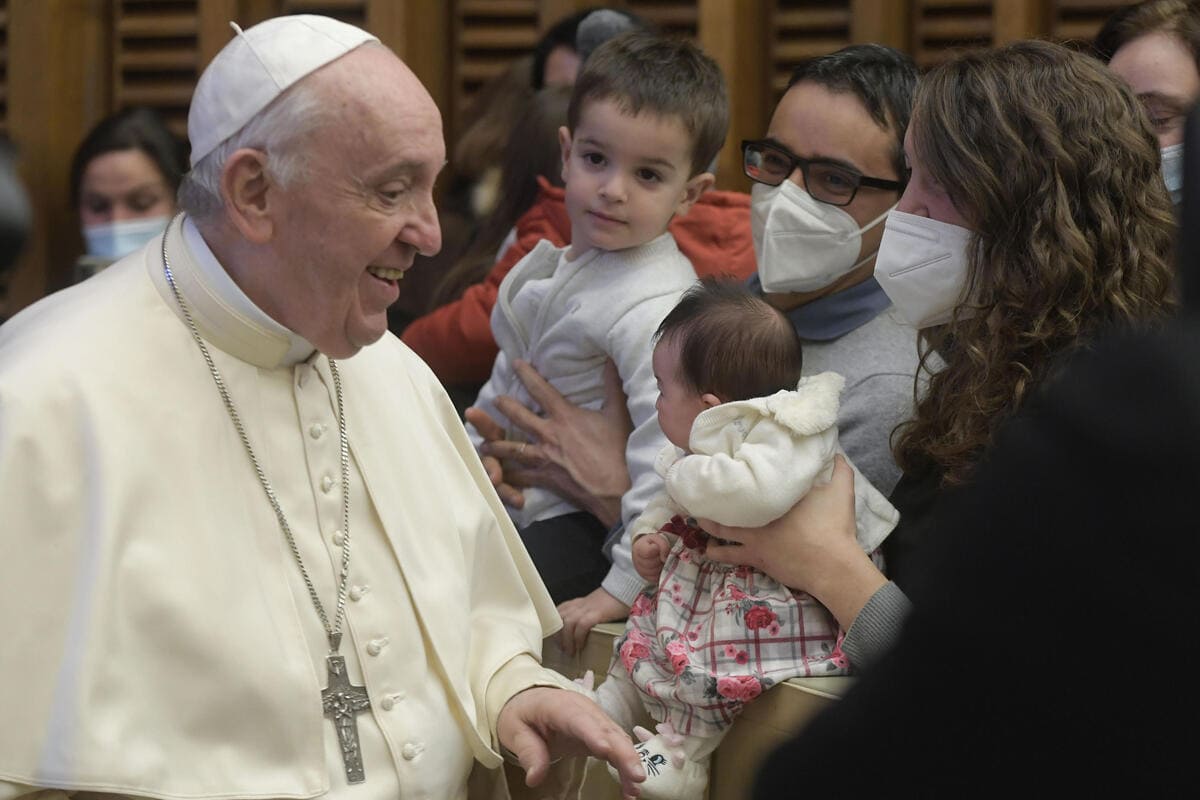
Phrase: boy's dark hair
(881, 77)
(732, 343)
(665, 76)
(132, 129)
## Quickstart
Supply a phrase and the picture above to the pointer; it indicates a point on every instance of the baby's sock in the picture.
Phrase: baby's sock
(676, 765)
(617, 696)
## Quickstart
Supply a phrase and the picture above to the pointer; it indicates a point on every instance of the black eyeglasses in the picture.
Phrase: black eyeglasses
(765, 161)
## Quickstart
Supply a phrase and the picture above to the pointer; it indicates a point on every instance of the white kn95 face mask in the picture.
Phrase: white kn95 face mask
(922, 266)
(802, 244)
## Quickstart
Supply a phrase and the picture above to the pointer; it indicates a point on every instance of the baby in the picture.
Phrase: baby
(749, 437)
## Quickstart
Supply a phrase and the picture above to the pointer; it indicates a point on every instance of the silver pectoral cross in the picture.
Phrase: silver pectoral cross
(342, 702)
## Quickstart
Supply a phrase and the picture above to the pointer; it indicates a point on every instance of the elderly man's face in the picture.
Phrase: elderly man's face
(352, 227)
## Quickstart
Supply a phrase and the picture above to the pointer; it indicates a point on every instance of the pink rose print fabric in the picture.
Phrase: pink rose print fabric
(711, 638)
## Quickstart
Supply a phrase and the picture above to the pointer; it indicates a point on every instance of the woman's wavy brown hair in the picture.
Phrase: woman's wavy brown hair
(1051, 160)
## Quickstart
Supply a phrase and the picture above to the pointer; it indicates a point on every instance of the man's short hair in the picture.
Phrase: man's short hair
(732, 343)
(882, 78)
(667, 77)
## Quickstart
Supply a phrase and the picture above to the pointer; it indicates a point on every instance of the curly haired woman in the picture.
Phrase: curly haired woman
(1035, 218)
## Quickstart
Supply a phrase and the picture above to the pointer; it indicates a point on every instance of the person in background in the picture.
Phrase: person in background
(124, 177)
(1027, 229)
(565, 46)
(1154, 46)
(15, 219)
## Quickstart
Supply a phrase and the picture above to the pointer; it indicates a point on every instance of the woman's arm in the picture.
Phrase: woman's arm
(812, 548)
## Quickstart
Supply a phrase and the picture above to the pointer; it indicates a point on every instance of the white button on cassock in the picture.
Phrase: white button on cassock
(316, 430)
(356, 592)
(375, 646)
(338, 538)
(326, 484)
(411, 750)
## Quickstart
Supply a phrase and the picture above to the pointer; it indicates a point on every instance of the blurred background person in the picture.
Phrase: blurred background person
(1154, 46)
(15, 218)
(124, 177)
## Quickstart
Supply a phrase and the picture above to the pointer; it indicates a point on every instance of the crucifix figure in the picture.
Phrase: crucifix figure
(342, 701)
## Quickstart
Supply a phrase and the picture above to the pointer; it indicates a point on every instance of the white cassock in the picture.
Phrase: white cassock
(158, 639)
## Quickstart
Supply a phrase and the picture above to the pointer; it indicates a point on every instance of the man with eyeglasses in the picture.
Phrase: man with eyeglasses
(826, 175)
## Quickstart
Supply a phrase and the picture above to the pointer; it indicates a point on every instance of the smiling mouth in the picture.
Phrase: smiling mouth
(386, 273)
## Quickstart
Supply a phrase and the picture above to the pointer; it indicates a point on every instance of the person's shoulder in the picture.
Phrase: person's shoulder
(884, 345)
(78, 328)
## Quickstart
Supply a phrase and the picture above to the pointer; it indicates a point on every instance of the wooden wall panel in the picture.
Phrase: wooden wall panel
(677, 17)
(1079, 20)
(156, 56)
(733, 34)
(940, 27)
(801, 29)
(3, 67)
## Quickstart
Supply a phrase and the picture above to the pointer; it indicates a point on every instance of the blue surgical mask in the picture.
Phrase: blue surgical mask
(1172, 170)
(118, 239)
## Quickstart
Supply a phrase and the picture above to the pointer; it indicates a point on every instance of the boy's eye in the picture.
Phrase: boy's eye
(595, 159)
(648, 175)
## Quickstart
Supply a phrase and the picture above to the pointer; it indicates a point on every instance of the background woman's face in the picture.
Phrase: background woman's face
(122, 185)
(1162, 73)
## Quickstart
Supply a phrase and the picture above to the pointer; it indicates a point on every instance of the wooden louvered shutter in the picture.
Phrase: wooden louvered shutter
(1080, 20)
(671, 17)
(488, 36)
(940, 27)
(353, 12)
(156, 56)
(3, 66)
(802, 29)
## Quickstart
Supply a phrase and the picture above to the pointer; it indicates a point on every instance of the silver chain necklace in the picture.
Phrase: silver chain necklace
(341, 700)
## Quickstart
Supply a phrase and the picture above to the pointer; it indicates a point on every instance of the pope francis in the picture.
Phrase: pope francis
(248, 550)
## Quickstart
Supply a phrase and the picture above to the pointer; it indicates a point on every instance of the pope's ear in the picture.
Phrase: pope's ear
(248, 192)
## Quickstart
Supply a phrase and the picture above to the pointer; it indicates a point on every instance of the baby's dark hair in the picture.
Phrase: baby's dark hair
(641, 71)
(732, 343)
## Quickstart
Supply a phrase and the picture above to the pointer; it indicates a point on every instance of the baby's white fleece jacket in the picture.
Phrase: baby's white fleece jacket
(750, 461)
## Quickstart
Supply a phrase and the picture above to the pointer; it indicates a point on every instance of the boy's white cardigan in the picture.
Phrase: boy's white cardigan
(604, 304)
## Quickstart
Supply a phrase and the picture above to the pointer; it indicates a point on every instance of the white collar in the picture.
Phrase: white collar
(225, 317)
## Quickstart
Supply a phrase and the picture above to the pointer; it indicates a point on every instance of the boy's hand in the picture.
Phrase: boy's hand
(649, 555)
(580, 614)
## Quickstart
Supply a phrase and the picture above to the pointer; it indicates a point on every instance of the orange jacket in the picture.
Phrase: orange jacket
(456, 339)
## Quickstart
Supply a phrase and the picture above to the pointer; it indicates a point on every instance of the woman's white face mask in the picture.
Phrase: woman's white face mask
(1172, 170)
(922, 266)
(114, 240)
(802, 244)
